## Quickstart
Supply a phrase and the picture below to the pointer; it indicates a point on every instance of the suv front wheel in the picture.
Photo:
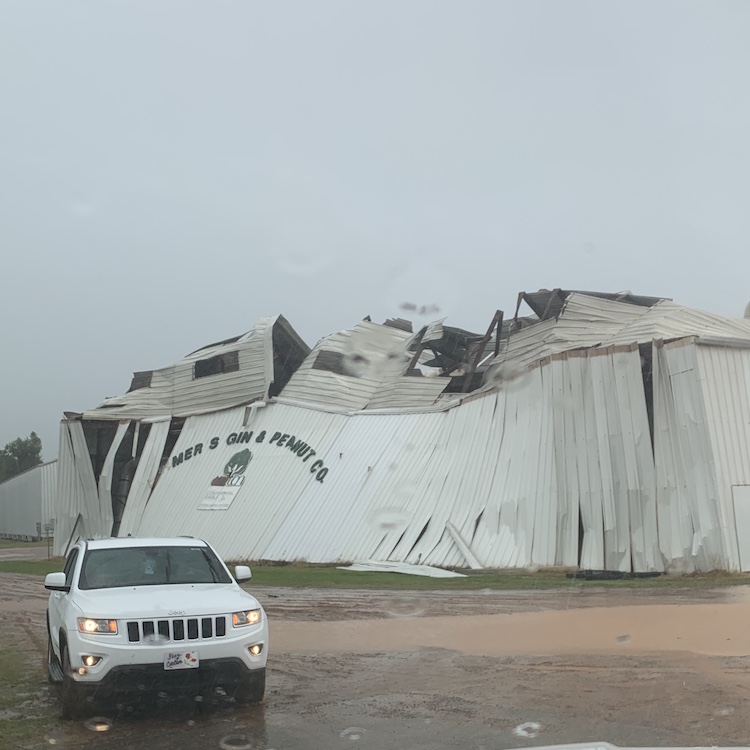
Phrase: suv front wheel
(71, 695)
(252, 689)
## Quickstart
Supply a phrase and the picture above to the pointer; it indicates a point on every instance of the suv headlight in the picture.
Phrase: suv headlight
(91, 625)
(248, 617)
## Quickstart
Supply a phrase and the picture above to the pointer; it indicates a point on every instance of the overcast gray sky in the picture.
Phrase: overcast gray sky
(170, 171)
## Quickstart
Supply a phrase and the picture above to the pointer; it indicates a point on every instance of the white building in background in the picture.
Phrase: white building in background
(606, 432)
(27, 504)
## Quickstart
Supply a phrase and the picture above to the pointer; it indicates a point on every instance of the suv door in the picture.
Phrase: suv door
(58, 599)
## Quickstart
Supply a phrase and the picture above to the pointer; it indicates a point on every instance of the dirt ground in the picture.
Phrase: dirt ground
(479, 670)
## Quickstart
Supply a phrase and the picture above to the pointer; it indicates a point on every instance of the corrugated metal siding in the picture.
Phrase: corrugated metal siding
(144, 477)
(49, 492)
(76, 489)
(687, 494)
(408, 392)
(105, 481)
(26, 502)
(174, 390)
(509, 470)
(156, 400)
(347, 392)
(667, 320)
(724, 374)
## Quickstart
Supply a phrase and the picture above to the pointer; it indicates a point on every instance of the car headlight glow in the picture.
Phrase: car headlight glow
(248, 617)
(91, 625)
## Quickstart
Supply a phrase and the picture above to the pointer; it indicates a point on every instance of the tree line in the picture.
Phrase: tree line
(20, 455)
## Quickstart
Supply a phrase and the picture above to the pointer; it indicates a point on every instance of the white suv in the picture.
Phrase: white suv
(133, 615)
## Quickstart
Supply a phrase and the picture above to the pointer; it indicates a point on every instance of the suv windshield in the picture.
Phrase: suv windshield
(150, 566)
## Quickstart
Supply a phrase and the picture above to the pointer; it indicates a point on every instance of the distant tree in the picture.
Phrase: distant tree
(19, 455)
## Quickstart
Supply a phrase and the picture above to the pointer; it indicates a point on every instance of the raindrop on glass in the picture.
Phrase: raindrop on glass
(508, 377)
(389, 519)
(303, 264)
(236, 742)
(353, 733)
(404, 605)
(98, 724)
(155, 639)
(528, 730)
(623, 639)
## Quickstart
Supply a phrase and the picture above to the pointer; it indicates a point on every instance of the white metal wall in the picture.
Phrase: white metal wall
(509, 470)
(690, 524)
(26, 502)
(79, 509)
(724, 375)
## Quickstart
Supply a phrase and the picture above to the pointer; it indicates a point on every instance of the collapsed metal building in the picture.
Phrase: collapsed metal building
(600, 431)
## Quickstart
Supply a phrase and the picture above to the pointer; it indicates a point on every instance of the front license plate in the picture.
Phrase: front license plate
(181, 659)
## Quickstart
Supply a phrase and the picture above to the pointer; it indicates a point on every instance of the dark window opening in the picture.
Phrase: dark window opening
(221, 363)
(141, 380)
(330, 361)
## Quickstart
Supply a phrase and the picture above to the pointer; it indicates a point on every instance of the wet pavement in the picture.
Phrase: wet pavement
(385, 670)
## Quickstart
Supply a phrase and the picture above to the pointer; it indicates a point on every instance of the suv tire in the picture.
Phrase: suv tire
(71, 696)
(251, 690)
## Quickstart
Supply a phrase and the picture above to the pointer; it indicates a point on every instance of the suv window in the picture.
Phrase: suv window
(70, 565)
(150, 566)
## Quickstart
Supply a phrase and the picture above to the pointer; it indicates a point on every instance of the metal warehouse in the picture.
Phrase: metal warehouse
(27, 503)
(600, 431)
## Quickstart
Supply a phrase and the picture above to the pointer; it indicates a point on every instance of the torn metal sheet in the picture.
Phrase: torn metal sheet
(372, 566)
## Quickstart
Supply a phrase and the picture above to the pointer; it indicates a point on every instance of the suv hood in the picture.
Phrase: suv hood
(173, 600)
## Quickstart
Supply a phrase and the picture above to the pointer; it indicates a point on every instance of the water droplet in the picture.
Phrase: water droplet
(353, 733)
(373, 354)
(727, 711)
(190, 723)
(389, 519)
(303, 264)
(422, 292)
(198, 699)
(155, 639)
(236, 742)
(404, 605)
(98, 724)
(508, 377)
(528, 730)
(623, 639)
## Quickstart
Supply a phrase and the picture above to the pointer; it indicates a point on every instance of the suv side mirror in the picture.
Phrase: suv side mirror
(242, 573)
(55, 582)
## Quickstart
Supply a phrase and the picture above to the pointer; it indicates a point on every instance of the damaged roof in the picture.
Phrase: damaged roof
(390, 367)
(228, 373)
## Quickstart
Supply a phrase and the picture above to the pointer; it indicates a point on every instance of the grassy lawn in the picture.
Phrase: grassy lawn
(318, 576)
(21, 545)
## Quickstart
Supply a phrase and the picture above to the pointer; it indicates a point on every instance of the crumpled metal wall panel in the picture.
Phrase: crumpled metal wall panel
(724, 376)
(105, 482)
(144, 477)
(690, 533)
(77, 493)
(509, 470)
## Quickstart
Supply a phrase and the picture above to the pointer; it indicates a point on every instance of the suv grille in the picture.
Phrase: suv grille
(192, 629)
